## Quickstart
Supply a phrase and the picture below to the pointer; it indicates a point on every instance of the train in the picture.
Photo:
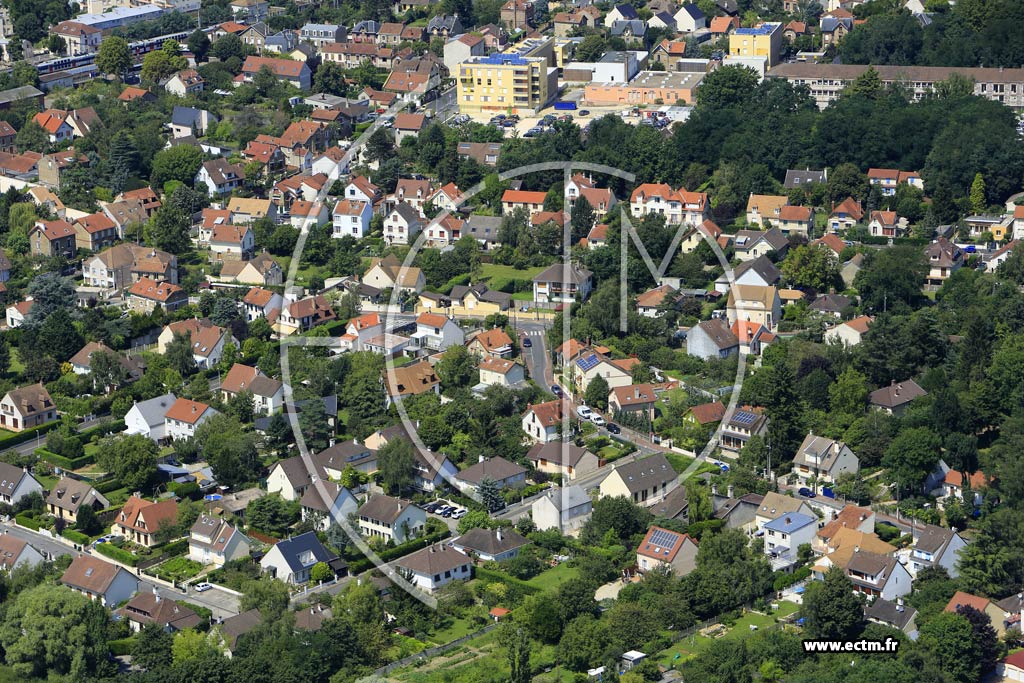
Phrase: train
(138, 49)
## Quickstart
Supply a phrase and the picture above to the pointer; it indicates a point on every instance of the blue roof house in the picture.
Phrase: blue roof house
(784, 535)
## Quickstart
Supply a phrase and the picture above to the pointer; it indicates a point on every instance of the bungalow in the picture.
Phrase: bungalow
(26, 407)
(705, 414)
(645, 482)
(895, 398)
(98, 580)
(16, 483)
(667, 550)
(563, 459)
(69, 496)
(953, 486)
(149, 607)
(212, 541)
(292, 560)
(435, 567)
(490, 545)
(504, 473)
(139, 520)
(543, 421)
(395, 520)
(652, 303)
(823, 459)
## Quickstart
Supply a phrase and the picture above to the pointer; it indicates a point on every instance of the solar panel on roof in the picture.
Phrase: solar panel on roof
(744, 418)
(665, 539)
(587, 363)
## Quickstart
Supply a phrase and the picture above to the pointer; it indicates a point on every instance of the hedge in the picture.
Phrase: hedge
(122, 647)
(76, 537)
(26, 521)
(70, 464)
(101, 430)
(107, 485)
(174, 548)
(490, 576)
(360, 565)
(203, 612)
(115, 553)
(27, 435)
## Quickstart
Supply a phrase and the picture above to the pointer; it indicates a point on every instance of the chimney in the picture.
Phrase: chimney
(730, 490)
(789, 520)
(714, 489)
(856, 548)
(499, 535)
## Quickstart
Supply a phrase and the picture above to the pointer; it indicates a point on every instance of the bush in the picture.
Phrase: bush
(76, 537)
(115, 553)
(492, 576)
(188, 489)
(27, 435)
(60, 461)
(203, 612)
(27, 521)
(360, 565)
(174, 547)
(122, 647)
(107, 485)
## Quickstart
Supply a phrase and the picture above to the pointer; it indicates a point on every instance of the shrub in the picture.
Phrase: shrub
(122, 647)
(115, 553)
(76, 536)
(62, 462)
(28, 522)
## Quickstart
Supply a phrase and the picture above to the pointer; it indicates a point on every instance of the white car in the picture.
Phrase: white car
(459, 514)
(203, 586)
(597, 419)
(584, 412)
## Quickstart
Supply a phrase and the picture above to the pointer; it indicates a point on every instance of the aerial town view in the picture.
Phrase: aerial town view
(511, 341)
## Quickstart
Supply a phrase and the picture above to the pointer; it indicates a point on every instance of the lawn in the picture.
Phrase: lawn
(499, 277)
(457, 629)
(694, 644)
(16, 367)
(176, 569)
(679, 462)
(551, 579)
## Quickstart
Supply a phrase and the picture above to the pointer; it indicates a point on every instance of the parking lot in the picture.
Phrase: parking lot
(451, 520)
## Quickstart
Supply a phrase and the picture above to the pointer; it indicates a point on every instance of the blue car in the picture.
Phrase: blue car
(806, 492)
(556, 390)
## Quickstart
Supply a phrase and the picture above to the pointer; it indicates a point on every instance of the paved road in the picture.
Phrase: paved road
(221, 603)
(538, 360)
(32, 444)
(445, 104)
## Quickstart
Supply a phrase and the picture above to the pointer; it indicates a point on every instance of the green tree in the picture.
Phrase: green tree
(190, 646)
(868, 84)
(56, 44)
(179, 163)
(114, 56)
(457, 368)
(199, 44)
(849, 394)
(978, 201)
(490, 495)
(32, 138)
(269, 596)
(320, 572)
(396, 462)
(591, 48)
(228, 46)
(152, 648)
(87, 522)
(179, 354)
(272, 515)
(596, 395)
(811, 267)
(330, 78)
(132, 459)
(230, 449)
(59, 336)
(832, 609)
(51, 630)
(168, 230)
(953, 636)
(618, 514)
(911, 457)
(161, 64)
(24, 73)
(517, 650)
(727, 87)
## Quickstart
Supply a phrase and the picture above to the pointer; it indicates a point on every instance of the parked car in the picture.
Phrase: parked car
(806, 492)
(431, 507)
(459, 514)
(527, 343)
(556, 390)
(597, 419)
(584, 412)
(613, 428)
(584, 112)
(202, 587)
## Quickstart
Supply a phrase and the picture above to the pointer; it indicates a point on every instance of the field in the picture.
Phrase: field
(693, 645)
(498, 277)
(678, 462)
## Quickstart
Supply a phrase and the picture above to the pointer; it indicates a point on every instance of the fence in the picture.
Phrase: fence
(433, 651)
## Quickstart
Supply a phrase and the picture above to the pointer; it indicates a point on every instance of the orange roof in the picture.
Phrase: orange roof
(556, 217)
(712, 228)
(706, 413)
(493, 339)
(795, 213)
(349, 207)
(1018, 211)
(53, 230)
(523, 197)
(745, 330)
(860, 324)
(51, 120)
(832, 242)
(257, 296)
(282, 68)
(409, 121)
(96, 222)
(238, 378)
(598, 233)
(850, 517)
(626, 364)
(548, 414)
(132, 93)
(978, 479)
(365, 321)
(157, 291)
(723, 24)
(431, 320)
(884, 217)
(850, 206)
(967, 600)
(570, 349)
(186, 411)
(153, 514)
(658, 551)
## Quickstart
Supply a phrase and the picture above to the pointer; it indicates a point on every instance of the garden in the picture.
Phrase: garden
(176, 569)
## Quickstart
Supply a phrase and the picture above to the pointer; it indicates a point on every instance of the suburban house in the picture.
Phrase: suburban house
(16, 483)
(936, 547)
(402, 224)
(107, 583)
(207, 340)
(95, 231)
(389, 273)
(894, 614)
(149, 607)
(775, 505)
(872, 574)
(944, 259)
(669, 550)
(352, 217)
(849, 333)
(140, 519)
(500, 371)
(559, 283)
(435, 566)
(705, 414)
(52, 238)
(70, 495)
(635, 399)
(119, 266)
(850, 519)
(148, 417)
(846, 215)
(750, 244)
(361, 329)
(651, 304)
(589, 366)
(267, 393)
(490, 545)
(711, 339)
(260, 303)
(887, 224)
(543, 421)
(290, 478)
(494, 343)
(146, 295)
(296, 73)
(232, 243)
(645, 481)
(340, 503)
(26, 407)
(184, 417)
(744, 423)
(764, 209)
(15, 551)
(504, 473)
(990, 609)
(184, 83)
(784, 535)
(895, 398)
(566, 509)
(953, 486)
(292, 559)
(679, 207)
(752, 303)
(410, 380)
(823, 459)
(436, 332)
(304, 314)
(16, 314)
(211, 540)
(563, 459)
(394, 519)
